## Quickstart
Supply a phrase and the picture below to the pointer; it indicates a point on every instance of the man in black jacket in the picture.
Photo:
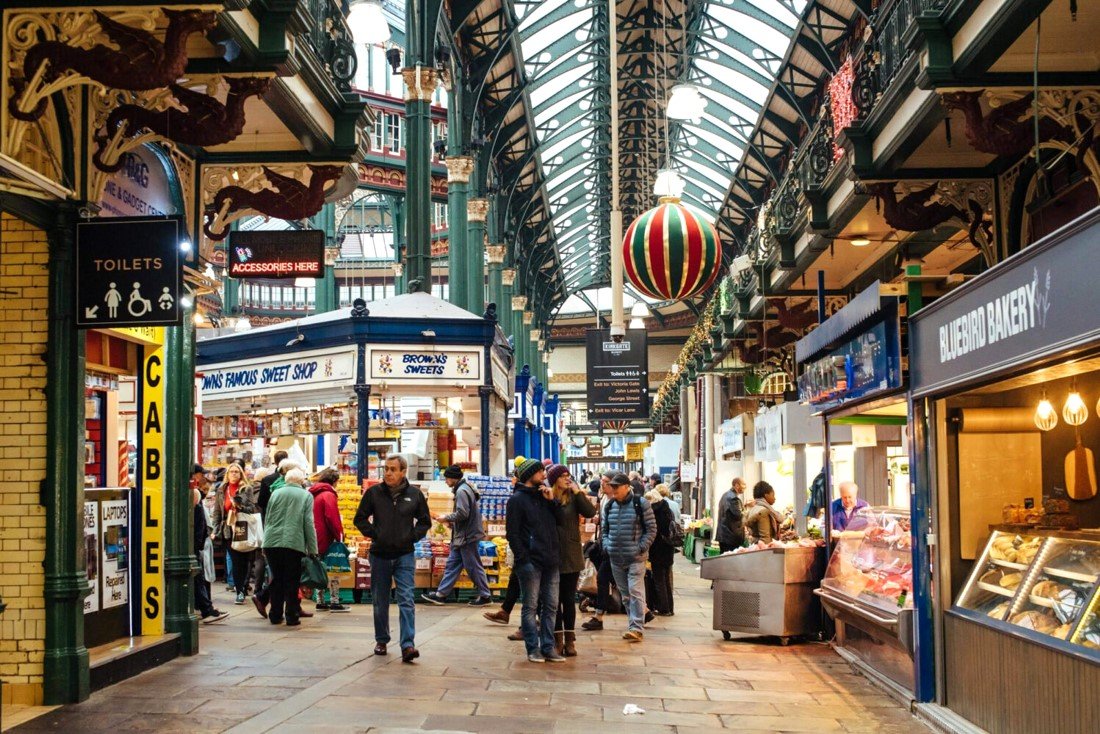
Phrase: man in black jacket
(394, 515)
(730, 528)
(532, 520)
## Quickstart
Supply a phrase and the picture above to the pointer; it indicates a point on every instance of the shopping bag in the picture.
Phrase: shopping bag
(248, 532)
(586, 584)
(314, 575)
(208, 561)
(336, 557)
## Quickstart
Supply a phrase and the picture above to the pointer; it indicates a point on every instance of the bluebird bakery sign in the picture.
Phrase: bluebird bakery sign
(1025, 308)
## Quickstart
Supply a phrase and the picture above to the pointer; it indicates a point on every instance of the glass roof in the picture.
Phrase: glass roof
(732, 49)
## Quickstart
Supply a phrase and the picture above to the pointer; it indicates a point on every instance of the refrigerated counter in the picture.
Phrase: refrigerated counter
(766, 592)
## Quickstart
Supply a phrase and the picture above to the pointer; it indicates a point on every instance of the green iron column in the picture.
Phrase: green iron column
(231, 294)
(459, 169)
(504, 308)
(325, 295)
(65, 661)
(476, 212)
(420, 82)
(179, 557)
(396, 206)
(496, 284)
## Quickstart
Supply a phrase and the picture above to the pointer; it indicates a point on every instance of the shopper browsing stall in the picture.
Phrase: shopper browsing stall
(762, 521)
(731, 529)
(330, 528)
(532, 521)
(466, 530)
(394, 515)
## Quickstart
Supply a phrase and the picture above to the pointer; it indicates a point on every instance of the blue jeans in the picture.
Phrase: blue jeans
(464, 556)
(630, 578)
(382, 572)
(540, 597)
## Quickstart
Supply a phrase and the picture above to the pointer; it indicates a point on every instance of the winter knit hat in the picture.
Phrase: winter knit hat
(555, 472)
(528, 469)
(454, 471)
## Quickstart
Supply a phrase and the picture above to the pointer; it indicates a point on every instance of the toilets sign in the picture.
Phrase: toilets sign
(129, 272)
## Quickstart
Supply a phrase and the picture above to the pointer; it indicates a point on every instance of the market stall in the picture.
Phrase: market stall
(1005, 377)
(851, 374)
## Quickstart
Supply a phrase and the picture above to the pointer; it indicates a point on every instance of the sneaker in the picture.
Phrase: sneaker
(214, 616)
(433, 597)
(323, 606)
(240, 598)
(536, 657)
(649, 616)
(633, 636)
(553, 657)
(230, 587)
(499, 616)
(337, 608)
(481, 601)
(593, 625)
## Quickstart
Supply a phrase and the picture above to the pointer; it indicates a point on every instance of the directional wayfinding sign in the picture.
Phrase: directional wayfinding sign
(618, 375)
(129, 272)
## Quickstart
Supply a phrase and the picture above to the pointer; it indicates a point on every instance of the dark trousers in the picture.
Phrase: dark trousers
(242, 565)
(511, 594)
(203, 604)
(662, 587)
(286, 575)
(727, 547)
(603, 585)
(567, 602)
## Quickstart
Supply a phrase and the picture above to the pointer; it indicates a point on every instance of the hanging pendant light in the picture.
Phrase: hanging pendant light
(637, 323)
(368, 23)
(686, 103)
(668, 184)
(1074, 410)
(639, 310)
(1046, 417)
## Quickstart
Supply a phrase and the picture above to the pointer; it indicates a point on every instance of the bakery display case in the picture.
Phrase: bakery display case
(867, 590)
(1039, 583)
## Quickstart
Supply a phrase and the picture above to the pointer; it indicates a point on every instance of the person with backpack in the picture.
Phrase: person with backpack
(670, 536)
(466, 530)
(628, 529)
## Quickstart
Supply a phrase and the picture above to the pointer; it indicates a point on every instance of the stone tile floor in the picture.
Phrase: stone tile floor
(321, 677)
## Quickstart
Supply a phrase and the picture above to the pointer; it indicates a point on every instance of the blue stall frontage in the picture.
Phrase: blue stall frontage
(851, 373)
(526, 416)
(412, 374)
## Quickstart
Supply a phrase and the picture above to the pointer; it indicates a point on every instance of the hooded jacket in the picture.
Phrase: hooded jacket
(627, 533)
(326, 516)
(466, 524)
(393, 518)
(532, 528)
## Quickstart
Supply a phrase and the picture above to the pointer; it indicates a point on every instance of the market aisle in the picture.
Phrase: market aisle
(322, 678)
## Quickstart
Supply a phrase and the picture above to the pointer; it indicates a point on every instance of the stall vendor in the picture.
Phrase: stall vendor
(844, 509)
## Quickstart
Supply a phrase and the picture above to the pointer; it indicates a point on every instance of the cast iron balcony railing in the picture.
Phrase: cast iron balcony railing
(327, 35)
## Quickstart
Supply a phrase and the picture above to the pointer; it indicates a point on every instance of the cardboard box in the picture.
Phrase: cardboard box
(423, 579)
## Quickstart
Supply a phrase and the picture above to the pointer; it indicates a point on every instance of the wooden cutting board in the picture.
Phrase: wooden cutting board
(1080, 473)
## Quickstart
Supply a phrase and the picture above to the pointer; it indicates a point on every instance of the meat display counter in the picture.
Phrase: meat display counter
(867, 590)
(766, 591)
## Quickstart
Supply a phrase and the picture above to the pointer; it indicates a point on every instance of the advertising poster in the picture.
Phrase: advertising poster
(114, 519)
(91, 555)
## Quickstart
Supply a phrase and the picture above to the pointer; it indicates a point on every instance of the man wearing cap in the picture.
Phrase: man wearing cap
(466, 531)
(628, 530)
(532, 520)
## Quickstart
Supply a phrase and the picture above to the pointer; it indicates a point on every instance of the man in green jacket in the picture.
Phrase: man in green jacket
(289, 535)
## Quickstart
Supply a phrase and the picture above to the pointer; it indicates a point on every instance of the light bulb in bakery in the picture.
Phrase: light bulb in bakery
(1046, 417)
(1074, 410)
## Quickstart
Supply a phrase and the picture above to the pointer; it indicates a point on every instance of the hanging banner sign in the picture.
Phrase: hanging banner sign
(91, 555)
(129, 272)
(319, 369)
(733, 435)
(152, 492)
(140, 188)
(617, 375)
(768, 428)
(412, 364)
(687, 472)
(291, 253)
(115, 520)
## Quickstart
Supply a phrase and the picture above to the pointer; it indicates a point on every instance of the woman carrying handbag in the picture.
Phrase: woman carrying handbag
(235, 502)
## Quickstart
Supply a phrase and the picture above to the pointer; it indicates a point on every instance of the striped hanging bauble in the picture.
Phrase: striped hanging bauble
(670, 252)
(615, 426)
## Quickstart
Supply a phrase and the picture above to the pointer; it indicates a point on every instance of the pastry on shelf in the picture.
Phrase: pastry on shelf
(1049, 590)
(999, 611)
(1010, 580)
(1063, 632)
(1037, 621)
(1025, 553)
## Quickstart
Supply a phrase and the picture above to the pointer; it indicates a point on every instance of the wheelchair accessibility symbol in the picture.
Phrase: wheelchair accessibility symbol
(138, 306)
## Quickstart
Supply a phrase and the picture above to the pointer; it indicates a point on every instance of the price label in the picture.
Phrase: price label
(496, 529)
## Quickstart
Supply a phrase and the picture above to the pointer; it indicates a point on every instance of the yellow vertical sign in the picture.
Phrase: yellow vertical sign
(152, 487)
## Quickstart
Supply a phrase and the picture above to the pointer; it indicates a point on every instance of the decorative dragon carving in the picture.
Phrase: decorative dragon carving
(287, 199)
(1002, 132)
(915, 211)
(141, 62)
(205, 122)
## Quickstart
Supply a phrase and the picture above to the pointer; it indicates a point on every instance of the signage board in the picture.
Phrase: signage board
(687, 472)
(617, 375)
(867, 364)
(129, 272)
(291, 253)
(733, 435)
(151, 477)
(636, 451)
(140, 188)
(315, 370)
(768, 435)
(397, 365)
(115, 563)
(91, 555)
(594, 451)
(1025, 308)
